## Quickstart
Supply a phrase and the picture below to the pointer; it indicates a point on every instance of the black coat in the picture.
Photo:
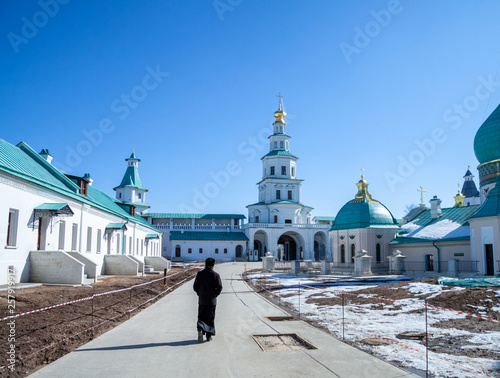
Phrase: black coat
(208, 286)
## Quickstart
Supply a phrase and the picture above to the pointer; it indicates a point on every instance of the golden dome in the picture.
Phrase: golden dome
(363, 190)
(279, 115)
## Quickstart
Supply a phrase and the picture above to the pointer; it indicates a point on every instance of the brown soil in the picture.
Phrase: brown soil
(43, 337)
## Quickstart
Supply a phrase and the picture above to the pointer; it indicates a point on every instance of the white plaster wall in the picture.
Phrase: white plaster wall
(24, 196)
(208, 247)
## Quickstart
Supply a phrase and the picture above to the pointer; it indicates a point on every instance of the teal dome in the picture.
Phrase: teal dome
(487, 140)
(364, 213)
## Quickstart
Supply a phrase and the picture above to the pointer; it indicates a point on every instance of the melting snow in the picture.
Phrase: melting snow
(439, 230)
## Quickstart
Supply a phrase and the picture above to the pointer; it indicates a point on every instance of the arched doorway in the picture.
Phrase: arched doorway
(239, 251)
(320, 246)
(289, 247)
(316, 251)
(177, 251)
(260, 243)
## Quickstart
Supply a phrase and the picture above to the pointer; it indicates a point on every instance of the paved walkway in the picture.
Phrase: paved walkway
(162, 341)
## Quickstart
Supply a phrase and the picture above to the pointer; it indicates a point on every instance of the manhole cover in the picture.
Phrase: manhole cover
(282, 342)
(279, 318)
(412, 335)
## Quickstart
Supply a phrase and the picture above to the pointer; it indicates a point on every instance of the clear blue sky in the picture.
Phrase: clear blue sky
(193, 84)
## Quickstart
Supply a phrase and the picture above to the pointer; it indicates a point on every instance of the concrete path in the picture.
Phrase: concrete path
(161, 341)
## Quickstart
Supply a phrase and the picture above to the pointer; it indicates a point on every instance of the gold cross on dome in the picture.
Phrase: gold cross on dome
(280, 98)
(422, 191)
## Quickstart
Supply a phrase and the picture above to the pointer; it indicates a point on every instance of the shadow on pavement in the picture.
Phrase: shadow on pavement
(143, 346)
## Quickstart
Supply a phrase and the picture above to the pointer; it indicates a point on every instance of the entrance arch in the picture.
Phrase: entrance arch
(319, 246)
(260, 243)
(177, 250)
(291, 245)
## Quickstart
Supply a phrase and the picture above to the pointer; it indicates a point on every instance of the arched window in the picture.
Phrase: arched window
(190, 250)
(225, 250)
(139, 195)
(342, 254)
(201, 250)
(353, 252)
(216, 250)
(378, 253)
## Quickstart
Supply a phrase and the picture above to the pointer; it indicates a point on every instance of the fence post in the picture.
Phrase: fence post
(165, 276)
(279, 291)
(343, 323)
(92, 316)
(130, 303)
(426, 343)
(299, 300)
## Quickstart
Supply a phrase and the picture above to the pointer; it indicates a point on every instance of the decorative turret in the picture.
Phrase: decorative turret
(469, 190)
(459, 199)
(130, 191)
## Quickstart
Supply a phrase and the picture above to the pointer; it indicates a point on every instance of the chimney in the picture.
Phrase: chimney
(46, 155)
(435, 207)
(87, 177)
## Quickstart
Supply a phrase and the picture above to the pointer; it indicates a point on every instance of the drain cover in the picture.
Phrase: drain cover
(282, 342)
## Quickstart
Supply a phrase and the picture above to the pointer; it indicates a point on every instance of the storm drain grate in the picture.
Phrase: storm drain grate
(279, 318)
(282, 342)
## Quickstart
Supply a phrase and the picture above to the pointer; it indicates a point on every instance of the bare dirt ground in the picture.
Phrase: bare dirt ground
(43, 337)
(476, 301)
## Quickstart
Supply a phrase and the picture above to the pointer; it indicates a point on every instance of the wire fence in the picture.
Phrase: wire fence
(348, 305)
(44, 333)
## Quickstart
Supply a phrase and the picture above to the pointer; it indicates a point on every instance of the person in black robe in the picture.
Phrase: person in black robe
(208, 286)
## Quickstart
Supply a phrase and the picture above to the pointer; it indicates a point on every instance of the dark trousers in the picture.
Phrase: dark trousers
(206, 316)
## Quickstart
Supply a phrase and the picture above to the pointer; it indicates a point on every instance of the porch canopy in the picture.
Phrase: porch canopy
(115, 227)
(53, 209)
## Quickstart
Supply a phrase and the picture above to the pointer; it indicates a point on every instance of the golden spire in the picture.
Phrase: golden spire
(363, 189)
(459, 198)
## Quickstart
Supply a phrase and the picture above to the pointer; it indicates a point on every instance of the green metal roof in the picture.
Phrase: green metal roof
(455, 214)
(487, 139)
(279, 153)
(136, 204)
(324, 218)
(116, 226)
(51, 206)
(195, 216)
(152, 236)
(194, 235)
(23, 162)
(131, 179)
(364, 213)
(132, 156)
(490, 207)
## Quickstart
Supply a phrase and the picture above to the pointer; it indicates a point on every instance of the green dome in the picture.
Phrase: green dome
(487, 140)
(364, 213)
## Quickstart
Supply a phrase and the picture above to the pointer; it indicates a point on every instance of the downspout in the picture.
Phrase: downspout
(123, 238)
(439, 255)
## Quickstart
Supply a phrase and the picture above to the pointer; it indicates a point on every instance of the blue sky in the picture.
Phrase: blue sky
(396, 87)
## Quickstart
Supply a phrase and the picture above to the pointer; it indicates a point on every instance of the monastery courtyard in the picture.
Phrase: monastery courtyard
(159, 342)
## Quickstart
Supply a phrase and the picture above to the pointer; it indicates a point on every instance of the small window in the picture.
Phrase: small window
(142, 249)
(216, 250)
(353, 251)
(293, 171)
(283, 170)
(282, 145)
(286, 145)
(272, 170)
(288, 221)
(190, 250)
(99, 236)
(12, 228)
(378, 253)
(289, 194)
(342, 254)
(225, 250)
(278, 194)
(119, 195)
(89, 239)
(129, 244)
(62, 232)
(139, 195)
(74, 236)
(275, 144)
(275, 219)
(256, 219)
(201, 250)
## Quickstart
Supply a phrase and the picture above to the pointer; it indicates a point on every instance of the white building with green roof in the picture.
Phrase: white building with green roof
(57, 228)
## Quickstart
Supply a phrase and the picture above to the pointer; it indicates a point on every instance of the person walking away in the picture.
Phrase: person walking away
(208, 286)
